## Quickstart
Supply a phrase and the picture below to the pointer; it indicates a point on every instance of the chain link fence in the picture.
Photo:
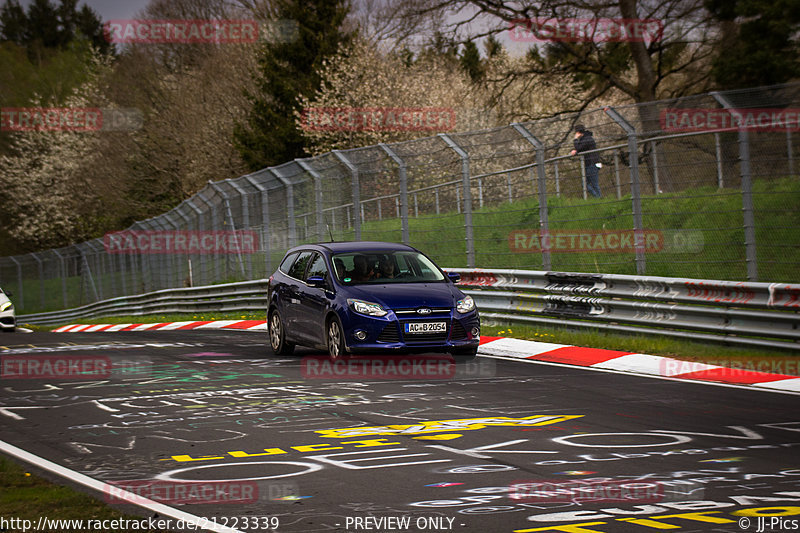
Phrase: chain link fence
(704, 187)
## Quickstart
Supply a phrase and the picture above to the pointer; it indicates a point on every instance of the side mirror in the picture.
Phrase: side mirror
(455, 277)
(316, 281)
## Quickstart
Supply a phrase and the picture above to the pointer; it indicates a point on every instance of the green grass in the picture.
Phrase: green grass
(27, 496)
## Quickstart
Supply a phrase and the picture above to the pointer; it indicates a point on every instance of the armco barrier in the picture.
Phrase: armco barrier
(746, 313)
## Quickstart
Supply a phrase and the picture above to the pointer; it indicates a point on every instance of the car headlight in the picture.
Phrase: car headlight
(367, 308)
(8, 306)
(466, 305)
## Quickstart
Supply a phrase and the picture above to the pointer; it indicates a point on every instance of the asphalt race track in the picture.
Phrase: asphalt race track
(208, 423)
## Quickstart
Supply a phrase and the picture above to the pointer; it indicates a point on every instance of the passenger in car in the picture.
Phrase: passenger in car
(362, 270)
(386, 268)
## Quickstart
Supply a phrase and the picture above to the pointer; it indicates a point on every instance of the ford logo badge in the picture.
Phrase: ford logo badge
(424, 311)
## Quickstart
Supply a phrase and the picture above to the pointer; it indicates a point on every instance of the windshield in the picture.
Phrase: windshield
(385, 267)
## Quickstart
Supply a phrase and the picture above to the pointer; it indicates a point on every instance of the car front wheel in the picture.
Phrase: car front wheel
(277, 336)
(335, 338)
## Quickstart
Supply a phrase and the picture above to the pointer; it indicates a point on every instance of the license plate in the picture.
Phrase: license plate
(426, 327)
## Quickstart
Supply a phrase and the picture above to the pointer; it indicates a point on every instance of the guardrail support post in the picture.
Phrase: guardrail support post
(401, 172)
(544, 224)
(747, 192)
(465, 180)
(356, 191)
(633, 161)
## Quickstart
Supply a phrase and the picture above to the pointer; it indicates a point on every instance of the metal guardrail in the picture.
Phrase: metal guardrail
(223, 298)
(745, 313)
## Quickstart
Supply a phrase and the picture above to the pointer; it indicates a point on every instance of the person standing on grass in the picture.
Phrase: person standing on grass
(584, 142)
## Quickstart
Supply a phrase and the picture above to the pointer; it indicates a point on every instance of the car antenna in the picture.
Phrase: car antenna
(330, 232)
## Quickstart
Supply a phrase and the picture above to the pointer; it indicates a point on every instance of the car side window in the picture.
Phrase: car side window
(318, 267)
(286, 264)
(299, 267)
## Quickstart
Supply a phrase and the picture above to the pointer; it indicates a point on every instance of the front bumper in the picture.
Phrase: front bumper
(388, 334)
(8, 320)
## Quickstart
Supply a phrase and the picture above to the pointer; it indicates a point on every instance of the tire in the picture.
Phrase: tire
(334, 338)
(277, 335)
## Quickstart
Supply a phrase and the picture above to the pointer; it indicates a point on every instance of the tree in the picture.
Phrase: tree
(471, 61)
(673, 65)
(289, 69)
(363, 76)
(760, 42)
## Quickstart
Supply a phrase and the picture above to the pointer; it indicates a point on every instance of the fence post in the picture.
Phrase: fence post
(197, 213)
(214, 225)
(356, 192)
(245, 225)
(227, 202)
(654, 158)
(35, 256)
(266, 237)
(747, 192)
(583, 175)
(20, 296)
(87, 271)
(616, 174)
(465, 180)
(318, 198)
(718, 149)
(401, 172)
(633, 161)
(544, 224)
(188, 222)
(290, 218)
(63, 277)
(558, 182)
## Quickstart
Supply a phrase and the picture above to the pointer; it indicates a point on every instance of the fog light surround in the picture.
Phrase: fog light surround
(476, 332)
(360, 334)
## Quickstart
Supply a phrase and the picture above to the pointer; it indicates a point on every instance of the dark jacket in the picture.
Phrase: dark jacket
(584, 144)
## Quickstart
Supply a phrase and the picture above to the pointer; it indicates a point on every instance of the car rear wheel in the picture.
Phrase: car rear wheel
(277, 336)
(335, 338)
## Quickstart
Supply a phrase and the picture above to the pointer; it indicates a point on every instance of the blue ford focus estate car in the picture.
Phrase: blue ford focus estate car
(367, 297)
